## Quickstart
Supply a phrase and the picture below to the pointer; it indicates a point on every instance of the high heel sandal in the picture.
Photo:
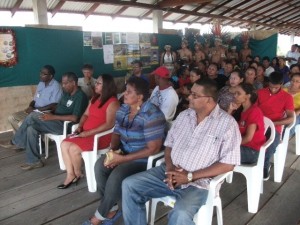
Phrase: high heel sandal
(65, 186)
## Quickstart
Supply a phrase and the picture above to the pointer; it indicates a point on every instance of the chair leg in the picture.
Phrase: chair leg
(297, 136)
(40, 144)
(279, 161)
(253, 192)
(59, 154)
(89, 172)
(219, 211)
(153, 210)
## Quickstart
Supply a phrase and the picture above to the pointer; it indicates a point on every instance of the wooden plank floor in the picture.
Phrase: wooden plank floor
(31, 197)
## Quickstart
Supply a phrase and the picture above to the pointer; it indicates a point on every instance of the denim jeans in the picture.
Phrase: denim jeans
(109, 183)
(141, 187)
(248, 155)
(27, 136)
(271, 150)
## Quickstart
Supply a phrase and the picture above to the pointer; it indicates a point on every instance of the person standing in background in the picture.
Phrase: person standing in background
(87, 83)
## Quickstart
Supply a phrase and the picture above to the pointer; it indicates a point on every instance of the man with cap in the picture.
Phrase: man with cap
(164, 96)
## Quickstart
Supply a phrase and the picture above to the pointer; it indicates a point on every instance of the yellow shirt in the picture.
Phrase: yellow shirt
(296, 98)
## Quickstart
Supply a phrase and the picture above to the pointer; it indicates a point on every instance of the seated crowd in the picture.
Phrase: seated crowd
(218, 103)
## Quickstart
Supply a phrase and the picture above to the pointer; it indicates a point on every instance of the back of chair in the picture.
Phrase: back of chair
(268, 124)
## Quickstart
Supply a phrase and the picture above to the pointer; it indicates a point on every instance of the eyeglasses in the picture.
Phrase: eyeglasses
(98, 83)
(195, 96)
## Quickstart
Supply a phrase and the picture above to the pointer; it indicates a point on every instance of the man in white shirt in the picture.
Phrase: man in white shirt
(266, 63)
(87, 82)
(293, 55)
(164, 96)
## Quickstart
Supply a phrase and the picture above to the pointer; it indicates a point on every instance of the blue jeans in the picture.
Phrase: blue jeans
(27, 136)
(248, 155)
(271, 150)
(141, 187)
(109, 183)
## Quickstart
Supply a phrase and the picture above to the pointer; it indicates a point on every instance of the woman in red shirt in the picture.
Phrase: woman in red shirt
(250, 121)
(98, 117)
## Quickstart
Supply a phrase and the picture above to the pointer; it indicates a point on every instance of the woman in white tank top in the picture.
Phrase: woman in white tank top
(168, 58)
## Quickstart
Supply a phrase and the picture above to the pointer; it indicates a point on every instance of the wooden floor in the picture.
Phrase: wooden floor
(31, 197)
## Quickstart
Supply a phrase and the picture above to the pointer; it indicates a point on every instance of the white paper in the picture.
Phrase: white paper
(133, 38)
(108, 54)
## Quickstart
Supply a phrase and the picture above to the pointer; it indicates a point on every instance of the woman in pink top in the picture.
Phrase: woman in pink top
(250, 121)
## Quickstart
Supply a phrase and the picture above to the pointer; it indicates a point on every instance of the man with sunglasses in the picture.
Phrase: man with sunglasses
(46, 97)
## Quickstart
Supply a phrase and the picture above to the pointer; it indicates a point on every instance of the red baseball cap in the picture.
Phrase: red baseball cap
(162, 71)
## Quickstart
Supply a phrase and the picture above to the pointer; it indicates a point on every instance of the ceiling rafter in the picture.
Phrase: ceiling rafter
(169, 13)
(233, 7)
(186, 16)
(172, 3)
(120, 11)
(58, 6)
(92, 9)
(285, 12)
(253, 11)
(202, 6)
(276, 8)
(16, 7)
(218, 6)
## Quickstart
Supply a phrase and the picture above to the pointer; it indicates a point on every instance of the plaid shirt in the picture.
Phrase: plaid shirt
(197, 146)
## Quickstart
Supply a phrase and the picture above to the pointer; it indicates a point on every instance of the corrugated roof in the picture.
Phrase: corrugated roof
(283, 15)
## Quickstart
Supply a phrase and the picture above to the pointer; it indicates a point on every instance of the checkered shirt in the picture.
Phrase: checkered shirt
(197, 146)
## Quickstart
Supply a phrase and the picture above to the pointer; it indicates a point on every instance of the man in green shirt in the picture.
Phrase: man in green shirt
(70, 108)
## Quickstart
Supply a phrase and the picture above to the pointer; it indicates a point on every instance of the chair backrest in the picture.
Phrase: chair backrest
(286, 135)
(268, 124)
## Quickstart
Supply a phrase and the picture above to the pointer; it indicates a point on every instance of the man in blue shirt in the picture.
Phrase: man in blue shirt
(70, 108)
(46, 97)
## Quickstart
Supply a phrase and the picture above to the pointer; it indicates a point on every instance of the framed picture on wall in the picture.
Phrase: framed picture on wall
(8, 50)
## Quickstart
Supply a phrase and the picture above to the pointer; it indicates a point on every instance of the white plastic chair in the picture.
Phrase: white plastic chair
(205, 213)
(281, 151)
(254, 173)
(90, 158)
(297, 136)
(58, 139)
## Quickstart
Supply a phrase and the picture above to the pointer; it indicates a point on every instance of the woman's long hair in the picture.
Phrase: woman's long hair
(248, 89)
(109, 89)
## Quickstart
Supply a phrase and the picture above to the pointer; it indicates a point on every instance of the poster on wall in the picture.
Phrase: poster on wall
(97, 40)
(8, 50)
(87, 38)
(108, 54)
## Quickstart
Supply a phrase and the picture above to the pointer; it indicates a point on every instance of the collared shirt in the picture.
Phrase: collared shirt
(167, 100)
(87, 87)
(294, 55)
(46, 95)
(148, 124)
(274, 106)
(72, 104)
(197, 146)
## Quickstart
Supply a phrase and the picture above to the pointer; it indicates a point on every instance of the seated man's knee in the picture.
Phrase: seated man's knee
(180, 216)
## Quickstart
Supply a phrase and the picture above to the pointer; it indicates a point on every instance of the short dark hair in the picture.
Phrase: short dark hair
(88, 67)
(109, 89)
(294, 65)
(252, 68)
(276, 78)
(266, 58)
(137, 62)
(214, 64)
(295, 74)
(141, 86)
(50, 69)
(210, 87)
(71, 76)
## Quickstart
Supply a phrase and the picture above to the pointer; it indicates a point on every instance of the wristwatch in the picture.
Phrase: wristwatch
(190, 176)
